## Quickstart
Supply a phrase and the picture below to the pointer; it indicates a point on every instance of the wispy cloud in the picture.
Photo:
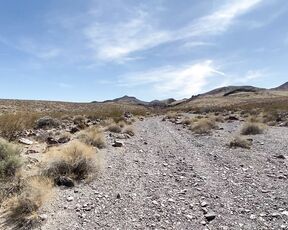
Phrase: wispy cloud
(64, 85)
(30, 47)
(180, 81)
(119, 41)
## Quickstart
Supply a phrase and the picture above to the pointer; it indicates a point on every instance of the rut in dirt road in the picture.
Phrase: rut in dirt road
(167, 178)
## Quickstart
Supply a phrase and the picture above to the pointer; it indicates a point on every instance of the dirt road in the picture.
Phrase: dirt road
(167, 178)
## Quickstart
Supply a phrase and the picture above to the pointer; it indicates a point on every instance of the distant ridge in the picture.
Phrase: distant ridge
(228, 90)
(282, 87)
(127, 99)
(135, 101)
(222, 91)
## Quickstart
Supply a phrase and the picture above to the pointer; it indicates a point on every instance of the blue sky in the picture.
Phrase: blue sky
(84, 50)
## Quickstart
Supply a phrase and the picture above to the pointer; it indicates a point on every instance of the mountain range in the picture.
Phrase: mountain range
(222, 91)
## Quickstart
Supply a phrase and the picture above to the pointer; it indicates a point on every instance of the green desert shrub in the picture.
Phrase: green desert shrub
(10, 160)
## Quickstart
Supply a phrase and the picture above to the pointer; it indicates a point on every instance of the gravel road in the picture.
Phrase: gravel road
(167, 178)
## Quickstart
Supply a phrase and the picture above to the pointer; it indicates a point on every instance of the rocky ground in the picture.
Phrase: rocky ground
(165, 177)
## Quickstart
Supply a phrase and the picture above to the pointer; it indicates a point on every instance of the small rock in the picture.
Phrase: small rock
(70, 198)
(253, 217)
(280, 156)
(204, 204)
(154, 202)
(117, 144)
(284, 213)
(63, 140)
(118, 196)
(51, 141)
(25, 141)
(210, 216)
(74, 129)
(203, 222)
(43, 217)
(275, 214)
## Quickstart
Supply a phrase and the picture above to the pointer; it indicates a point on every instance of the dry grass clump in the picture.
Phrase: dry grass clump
(122, 124)
(10, 160)
(80, 121)
(187, 121)
(130, 131)
(77, 161)
(240, 142)
(12, 124)
(20, 211)
(172, 115)
(114, 128)
(93, 136)
(203, 126)
(219, 118)
(47, 122)
(251, 128)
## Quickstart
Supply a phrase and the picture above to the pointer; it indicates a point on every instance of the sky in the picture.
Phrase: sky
(87, 50)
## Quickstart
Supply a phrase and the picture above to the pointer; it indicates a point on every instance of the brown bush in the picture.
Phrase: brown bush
(93, 136)
(203, 126)
(114, 128)
(20, 211)
(240, 142)
(76, 160)
(12, 124)
(251, 128)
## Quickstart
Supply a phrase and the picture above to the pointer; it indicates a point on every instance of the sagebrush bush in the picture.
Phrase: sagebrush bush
(80, 121)
(93, 136)
(114, 128)
(187, 121)
(20, 211)
(203, 126)
(240, 142)
(12, 124)
(10, 160)
(251, 128)
(47, 122)
(76, 160)
(122, 124)
(172, 115)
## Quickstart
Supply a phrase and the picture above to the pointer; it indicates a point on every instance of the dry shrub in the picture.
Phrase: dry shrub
(10, 160)
(93, 136)
(20, 211)
(203, 126)
(219, 118)
(240, 142)
(76, 160)
(12, 124)
(187, 121)
(129, 130)
(114, 128)
(251, 128)
(255, 118)
(122, 124)
(47, 122)
(80, 121)
(171, 115)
